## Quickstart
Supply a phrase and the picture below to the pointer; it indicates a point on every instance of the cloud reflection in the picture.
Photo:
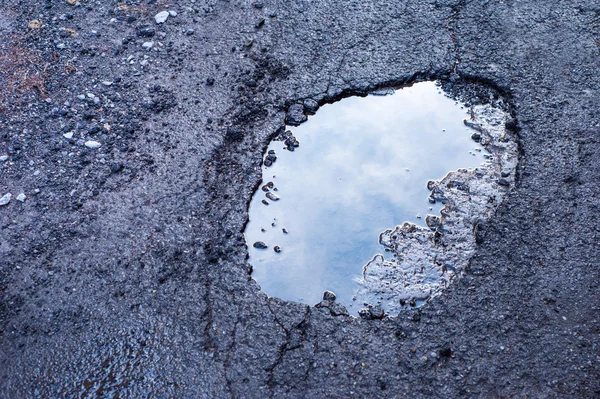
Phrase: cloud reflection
(347, 182)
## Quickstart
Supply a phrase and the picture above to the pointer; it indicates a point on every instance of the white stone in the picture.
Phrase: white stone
(148, 45)
(92, 144)
(161, 17)
(68, 135)
(5, 199)
(21, 197)
(3, 158)
(173, 13)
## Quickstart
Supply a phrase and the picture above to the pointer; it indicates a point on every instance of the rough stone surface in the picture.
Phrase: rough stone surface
(427, 260)
(135, 284)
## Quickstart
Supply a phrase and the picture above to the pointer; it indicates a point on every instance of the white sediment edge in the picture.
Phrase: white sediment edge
(425, 261)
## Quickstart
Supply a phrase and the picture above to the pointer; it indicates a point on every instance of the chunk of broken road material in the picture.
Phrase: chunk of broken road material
(260, 245)
(295, 115)
(5, 199)
(329, 296)
(161, 17)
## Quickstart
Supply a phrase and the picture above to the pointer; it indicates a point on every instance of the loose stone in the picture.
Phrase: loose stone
(21, 197)
(260, 245)
(272, 197)
(161, 17)
(3, 158)
(5, 199)
(277, 249)
(311, 105)
(295, 115)
(147, 45)
(329, 296)
(92, 144)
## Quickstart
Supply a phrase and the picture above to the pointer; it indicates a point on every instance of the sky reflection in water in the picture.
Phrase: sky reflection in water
(362, 167)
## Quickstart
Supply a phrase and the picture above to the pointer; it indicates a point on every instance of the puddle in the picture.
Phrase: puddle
(362, 167)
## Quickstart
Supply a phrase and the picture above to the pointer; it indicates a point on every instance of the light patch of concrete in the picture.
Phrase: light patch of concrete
(426, 261)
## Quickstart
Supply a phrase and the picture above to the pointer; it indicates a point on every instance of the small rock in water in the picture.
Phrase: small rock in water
(372, 313)
(161, 17)
(267, 186)
(277, 249)
(265, 202)
(260, 245)
(311, 105)
(270, 158)
(272, 196)
(329, 296)
(5, 199)
(433, 221)
(295, 115)
(21, 197)
(284, 231)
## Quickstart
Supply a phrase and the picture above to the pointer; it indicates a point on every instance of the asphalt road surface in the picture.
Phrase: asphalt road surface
(138, 145)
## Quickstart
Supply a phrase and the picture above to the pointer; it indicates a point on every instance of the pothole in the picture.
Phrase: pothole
(334, 188)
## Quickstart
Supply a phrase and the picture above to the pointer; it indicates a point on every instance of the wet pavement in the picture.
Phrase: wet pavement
(124, 271)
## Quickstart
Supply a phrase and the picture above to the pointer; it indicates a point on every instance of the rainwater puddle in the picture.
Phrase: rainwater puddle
(362, 167)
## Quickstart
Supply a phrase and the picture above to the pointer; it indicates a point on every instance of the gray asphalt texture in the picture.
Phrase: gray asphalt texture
(125, 276)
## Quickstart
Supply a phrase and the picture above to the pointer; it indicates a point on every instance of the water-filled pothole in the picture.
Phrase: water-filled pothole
(322, 218)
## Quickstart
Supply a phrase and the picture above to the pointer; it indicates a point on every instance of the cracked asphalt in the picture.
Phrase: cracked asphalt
(123, 274)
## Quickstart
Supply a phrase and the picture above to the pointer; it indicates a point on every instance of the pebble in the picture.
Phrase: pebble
(161, 17)
(68, 135)
(92, 144)
(21, 197)
(3, 158)
(329, 296)
(5, 199)
(311, 105)
(295, 115)
(189, 32)
(277, 249)
(148, 45)
(268, 186)
(271, 196)
(260, 245)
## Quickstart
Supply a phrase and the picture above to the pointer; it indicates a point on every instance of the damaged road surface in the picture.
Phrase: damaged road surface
(132, 136)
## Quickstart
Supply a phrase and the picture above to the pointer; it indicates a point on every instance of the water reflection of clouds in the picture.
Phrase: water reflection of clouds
(348, 182)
